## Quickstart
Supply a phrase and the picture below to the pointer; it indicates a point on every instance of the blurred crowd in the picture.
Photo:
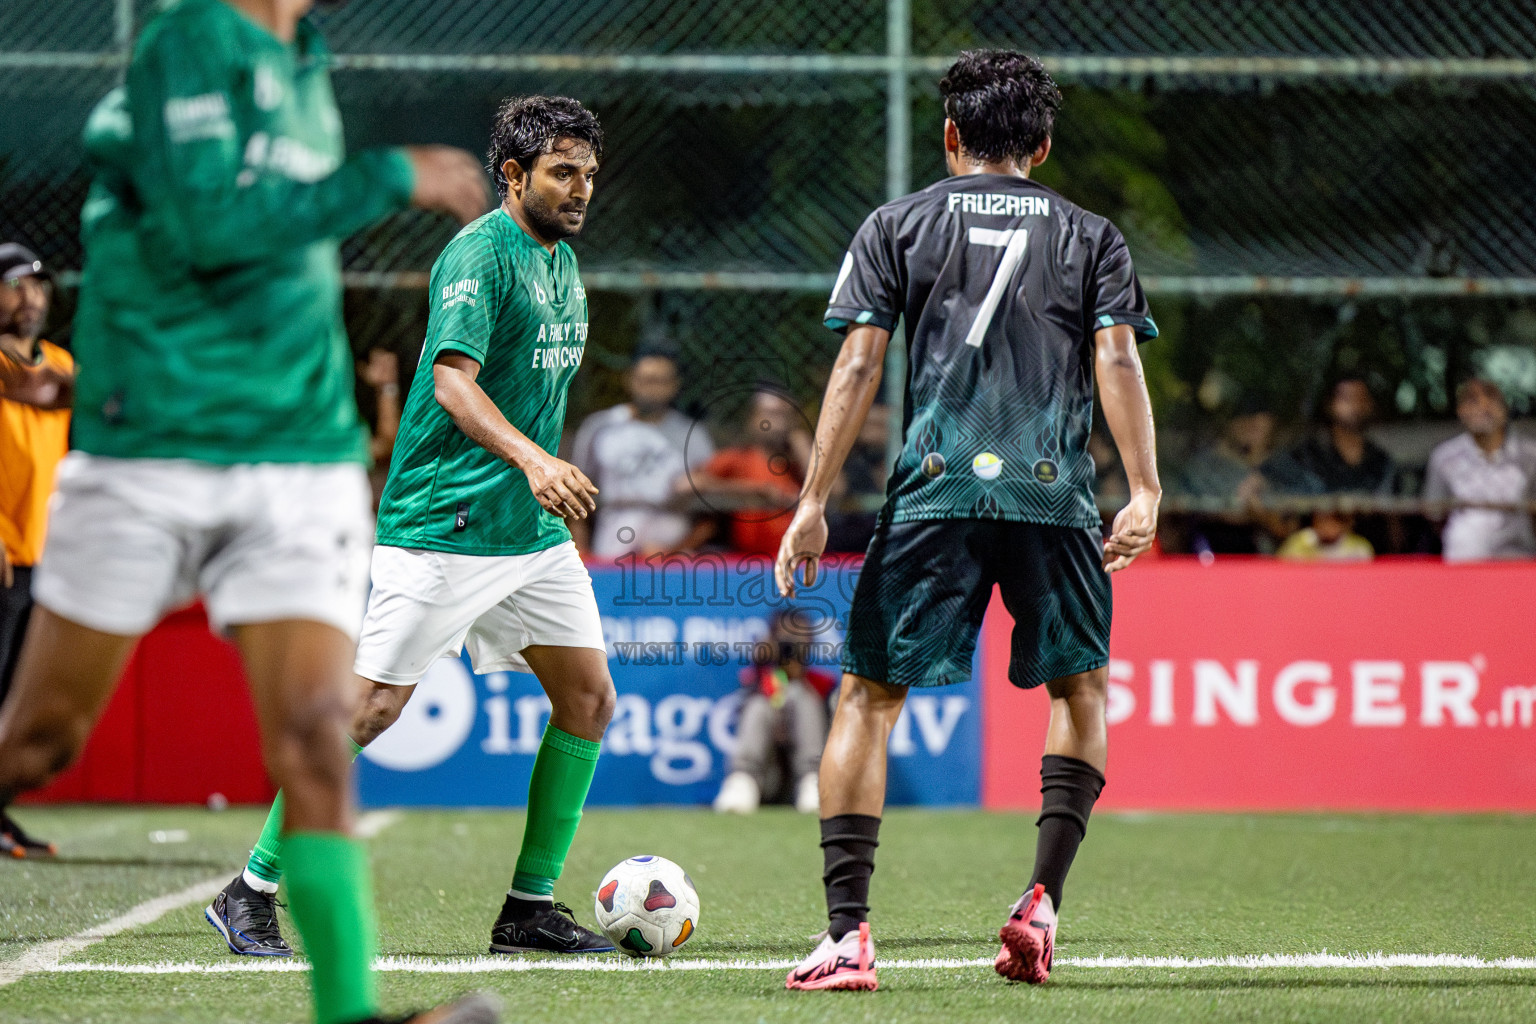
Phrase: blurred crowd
(1336, 494)
(669, 482)
(665, 486)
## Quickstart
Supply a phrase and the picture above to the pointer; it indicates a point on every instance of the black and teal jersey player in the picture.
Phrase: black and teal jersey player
(1015, 302)
(1002, 285)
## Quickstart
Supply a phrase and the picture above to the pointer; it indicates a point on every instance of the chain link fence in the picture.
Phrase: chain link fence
(1308, 186)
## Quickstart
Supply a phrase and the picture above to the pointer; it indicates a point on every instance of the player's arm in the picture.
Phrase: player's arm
(559, 486)
(1128, 411)
(851, 391)
(44, 386)
(213, 194)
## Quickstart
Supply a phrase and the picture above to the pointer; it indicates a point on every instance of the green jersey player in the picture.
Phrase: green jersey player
(218, 447)
(473, 550)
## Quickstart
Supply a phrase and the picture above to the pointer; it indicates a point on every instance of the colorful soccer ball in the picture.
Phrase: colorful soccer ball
(648, 906)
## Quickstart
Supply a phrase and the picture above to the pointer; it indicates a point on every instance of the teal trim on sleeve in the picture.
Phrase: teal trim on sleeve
(864, 317)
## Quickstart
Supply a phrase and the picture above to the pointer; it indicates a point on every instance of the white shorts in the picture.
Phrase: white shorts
(427, 605)
(131, 539)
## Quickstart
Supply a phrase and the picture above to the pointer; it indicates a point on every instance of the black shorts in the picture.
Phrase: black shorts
(925, 586)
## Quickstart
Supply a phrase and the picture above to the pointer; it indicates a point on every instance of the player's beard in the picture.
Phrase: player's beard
(546, 219)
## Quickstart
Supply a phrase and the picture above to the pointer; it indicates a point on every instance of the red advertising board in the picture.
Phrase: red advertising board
(1248, 684)
(179, 729)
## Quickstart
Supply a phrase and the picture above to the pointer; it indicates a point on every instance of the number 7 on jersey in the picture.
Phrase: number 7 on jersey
(1013, 244)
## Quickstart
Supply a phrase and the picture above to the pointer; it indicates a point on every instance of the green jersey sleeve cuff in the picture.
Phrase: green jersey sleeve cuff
(840, 318)
(468, 348)
(394, 172)
(1144, 326)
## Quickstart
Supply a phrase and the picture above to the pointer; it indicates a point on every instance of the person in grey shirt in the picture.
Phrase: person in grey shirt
(634, 453)
(1488, 463)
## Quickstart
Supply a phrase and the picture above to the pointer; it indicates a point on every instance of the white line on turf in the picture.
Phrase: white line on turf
(490, 965)
(374, 822)
(46, 956)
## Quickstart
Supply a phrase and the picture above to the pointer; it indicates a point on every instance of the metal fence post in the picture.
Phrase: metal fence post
(898, 182)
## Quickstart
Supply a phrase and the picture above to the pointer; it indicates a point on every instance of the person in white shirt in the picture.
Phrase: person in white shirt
(1489, 463)
(634, 453)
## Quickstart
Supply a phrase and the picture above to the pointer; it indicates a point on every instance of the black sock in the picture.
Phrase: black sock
(1068, 789)
(848, 842)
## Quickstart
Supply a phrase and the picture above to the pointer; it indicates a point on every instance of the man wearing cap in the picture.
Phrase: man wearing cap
(37, 384)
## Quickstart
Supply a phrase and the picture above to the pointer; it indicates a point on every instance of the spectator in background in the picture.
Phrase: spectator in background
(760, 479)
(1330, 538)
(37, 388)
(1488, 463)
(1225, 470)
(380, 374)
(864, 474)
(637, 454)
(785, 705)
(1340, 459)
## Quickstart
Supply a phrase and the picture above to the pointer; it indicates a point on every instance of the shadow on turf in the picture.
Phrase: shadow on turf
(125, 862)
(1486, 979)
(798, 948)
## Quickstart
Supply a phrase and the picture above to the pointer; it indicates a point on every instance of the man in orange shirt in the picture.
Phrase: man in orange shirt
(37, 388)
(760, 479)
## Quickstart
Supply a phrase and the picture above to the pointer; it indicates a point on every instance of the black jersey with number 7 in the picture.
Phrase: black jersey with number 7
(1001, 284)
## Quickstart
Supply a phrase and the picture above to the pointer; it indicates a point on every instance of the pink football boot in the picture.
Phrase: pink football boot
(1029, 939)
(848, 964)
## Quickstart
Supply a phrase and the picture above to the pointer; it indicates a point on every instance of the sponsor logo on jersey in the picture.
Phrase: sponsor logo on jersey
(999, 204)
(561, 345)
(288, 157)
(461, 292)
(189, 118)
(1046, 471)
(987, 466)
(269, 88)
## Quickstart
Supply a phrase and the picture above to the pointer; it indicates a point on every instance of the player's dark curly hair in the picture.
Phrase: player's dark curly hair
(528, 126)
(1003, 104)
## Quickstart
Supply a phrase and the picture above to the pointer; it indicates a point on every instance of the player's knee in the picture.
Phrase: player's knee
(380, 710)
(597, 705)
(588, 708)
(866, 697)
(40, 750)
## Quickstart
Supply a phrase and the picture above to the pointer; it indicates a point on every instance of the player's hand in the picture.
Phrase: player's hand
(803, 544)
(561, 488)
(448, 181)
(7, 574)
(1135, 527)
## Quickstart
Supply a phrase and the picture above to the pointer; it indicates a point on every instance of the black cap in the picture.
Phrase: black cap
(19, 261)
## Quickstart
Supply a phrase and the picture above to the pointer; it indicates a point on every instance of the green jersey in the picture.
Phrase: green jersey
(519, 311)
(209, 325)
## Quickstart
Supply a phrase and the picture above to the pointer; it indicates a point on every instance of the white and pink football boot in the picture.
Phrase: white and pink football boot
(1029, 939)
(847, 964)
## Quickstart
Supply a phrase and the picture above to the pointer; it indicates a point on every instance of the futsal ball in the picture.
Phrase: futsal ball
(987, 466)
(648, 906)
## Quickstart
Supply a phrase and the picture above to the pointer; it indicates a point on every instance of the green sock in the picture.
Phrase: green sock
(266, 859)
(264, 862)
(330, 895)
(562, 774)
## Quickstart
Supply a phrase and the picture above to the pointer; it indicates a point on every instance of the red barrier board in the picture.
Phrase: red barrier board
(179, 728)
(1271, 686)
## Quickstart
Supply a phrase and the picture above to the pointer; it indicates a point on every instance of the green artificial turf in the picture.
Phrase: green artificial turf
(1184, 885)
